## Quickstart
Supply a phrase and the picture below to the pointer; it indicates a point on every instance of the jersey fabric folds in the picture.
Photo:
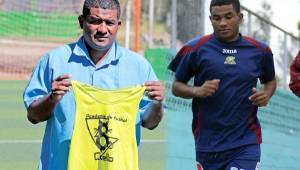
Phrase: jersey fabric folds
(104, 130)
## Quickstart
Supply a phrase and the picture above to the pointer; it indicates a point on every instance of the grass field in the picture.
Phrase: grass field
(31, 24)
(20, 140)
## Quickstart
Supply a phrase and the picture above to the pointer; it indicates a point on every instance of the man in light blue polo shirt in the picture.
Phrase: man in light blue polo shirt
(95, 59)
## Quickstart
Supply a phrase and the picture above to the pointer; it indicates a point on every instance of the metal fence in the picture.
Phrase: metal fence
(283, 44)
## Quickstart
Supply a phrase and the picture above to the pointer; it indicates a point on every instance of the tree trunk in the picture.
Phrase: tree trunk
(190, 19)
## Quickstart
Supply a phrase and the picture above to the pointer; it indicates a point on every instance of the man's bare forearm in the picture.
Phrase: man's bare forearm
(183, 90)
(270, 87)
(41, 109)
(154, 115)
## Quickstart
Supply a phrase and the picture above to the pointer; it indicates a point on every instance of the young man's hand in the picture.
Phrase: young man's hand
(259, 98)
(208, 88)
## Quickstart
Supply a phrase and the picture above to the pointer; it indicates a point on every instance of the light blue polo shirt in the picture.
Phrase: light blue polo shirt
(121, 68)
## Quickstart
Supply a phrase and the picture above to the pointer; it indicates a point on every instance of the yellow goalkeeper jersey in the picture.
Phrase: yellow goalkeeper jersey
(104, 128)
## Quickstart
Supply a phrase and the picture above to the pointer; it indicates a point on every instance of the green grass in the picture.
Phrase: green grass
(31, 24)
(15, 126)
(13, 121)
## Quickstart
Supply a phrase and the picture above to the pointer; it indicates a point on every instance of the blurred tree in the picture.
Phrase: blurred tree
(162, 8)
(190, 16)
(285, 57)
(262, 30)
(190, 19)
(286, 54)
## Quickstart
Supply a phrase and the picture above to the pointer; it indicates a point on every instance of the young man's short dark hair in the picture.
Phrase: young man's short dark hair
(235, 3)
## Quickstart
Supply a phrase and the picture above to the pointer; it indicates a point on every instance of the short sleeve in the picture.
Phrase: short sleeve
(268, 69)
(39, 83)
(182, 64)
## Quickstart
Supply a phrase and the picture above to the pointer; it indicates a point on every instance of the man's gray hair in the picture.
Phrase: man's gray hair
(104, 4)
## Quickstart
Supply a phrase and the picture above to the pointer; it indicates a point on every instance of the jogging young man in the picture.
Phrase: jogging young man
(226, 67)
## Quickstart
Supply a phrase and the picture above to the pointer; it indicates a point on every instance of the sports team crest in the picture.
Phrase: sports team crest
(230, 60)
(98, 127)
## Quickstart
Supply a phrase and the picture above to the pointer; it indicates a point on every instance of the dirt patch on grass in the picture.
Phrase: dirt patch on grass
(18, 58)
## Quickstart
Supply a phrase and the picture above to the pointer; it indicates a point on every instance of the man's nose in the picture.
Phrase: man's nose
(102, 28)
(223, 22)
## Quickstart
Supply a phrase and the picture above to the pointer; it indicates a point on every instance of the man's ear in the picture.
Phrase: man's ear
(241, 16)
(81, 20)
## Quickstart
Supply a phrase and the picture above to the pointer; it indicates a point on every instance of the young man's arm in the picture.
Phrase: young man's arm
(262, 97)
(186, 91)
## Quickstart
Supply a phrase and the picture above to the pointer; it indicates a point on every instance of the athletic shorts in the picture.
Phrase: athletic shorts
(241, 158)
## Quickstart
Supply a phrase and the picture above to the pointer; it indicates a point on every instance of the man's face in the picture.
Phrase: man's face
(100, 28)
(225, 21)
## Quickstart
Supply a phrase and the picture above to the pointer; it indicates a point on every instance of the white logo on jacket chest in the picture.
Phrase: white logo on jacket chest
(229, 51)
